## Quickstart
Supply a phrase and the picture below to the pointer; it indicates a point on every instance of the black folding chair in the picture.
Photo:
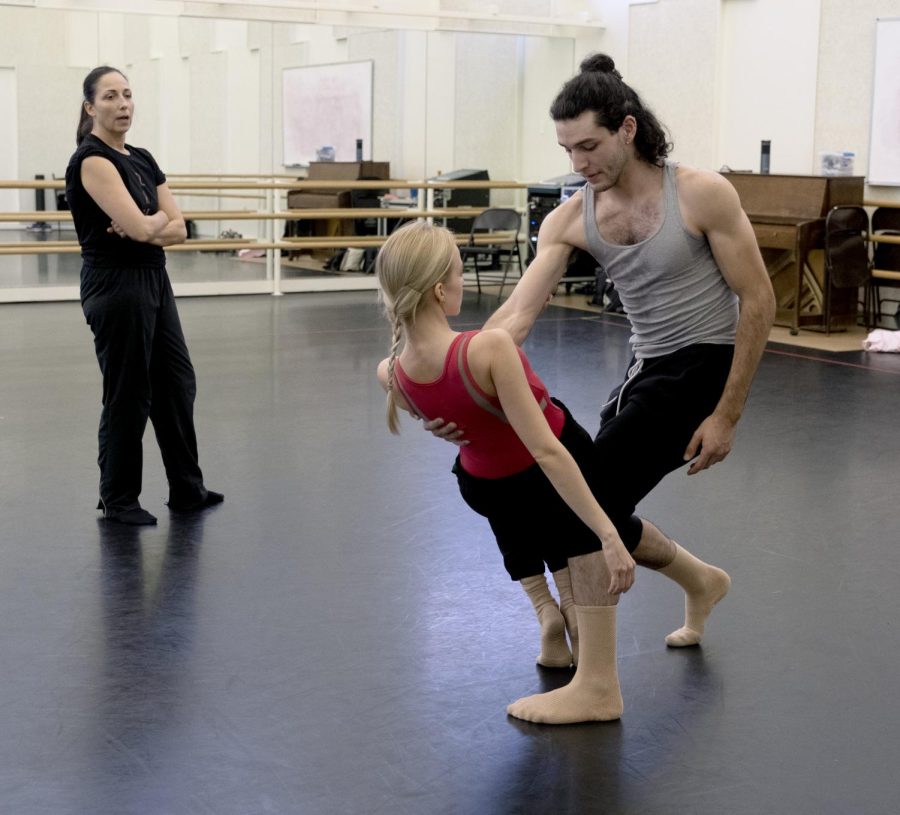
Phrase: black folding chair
(484, 257)
(885, 258)
(847, 262)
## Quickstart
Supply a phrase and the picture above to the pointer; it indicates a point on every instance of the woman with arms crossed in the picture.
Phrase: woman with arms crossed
(124, 214)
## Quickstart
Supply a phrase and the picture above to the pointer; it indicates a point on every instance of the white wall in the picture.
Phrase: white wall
(672, 52)
(768, 64)
(9, 158)
(540, 157)
(208, 93)
(486, 125)
(846, 70)
(380, 48)
(34, 43)
(406, 95)
(725, 74)
(721, 74)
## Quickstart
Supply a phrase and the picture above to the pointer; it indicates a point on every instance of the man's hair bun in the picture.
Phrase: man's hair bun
(599, 63)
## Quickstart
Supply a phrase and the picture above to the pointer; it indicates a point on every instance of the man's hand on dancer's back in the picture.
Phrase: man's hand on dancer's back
(448, 431)
(712, 440)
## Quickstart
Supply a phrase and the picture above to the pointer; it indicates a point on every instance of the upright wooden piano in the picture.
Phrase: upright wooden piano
(787, 213)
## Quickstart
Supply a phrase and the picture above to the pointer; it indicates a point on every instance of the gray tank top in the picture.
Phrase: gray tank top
(670, 285)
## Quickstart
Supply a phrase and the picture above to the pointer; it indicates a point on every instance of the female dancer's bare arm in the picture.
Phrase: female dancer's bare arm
(507, 376)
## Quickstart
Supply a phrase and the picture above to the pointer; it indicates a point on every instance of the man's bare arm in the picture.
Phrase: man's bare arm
(531, 294)
(717, 208)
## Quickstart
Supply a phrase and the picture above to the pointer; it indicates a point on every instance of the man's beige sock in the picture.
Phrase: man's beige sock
(567, 607)
(594, 693)
(703, 585)
(554, 651)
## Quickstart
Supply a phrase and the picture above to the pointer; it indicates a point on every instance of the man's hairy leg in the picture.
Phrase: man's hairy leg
(593, 694)
(704, 585)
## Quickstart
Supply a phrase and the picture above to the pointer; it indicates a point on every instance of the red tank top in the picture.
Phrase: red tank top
(494, 450)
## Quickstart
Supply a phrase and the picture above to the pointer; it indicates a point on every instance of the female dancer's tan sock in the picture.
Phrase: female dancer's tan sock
(554, 651)
(703, 585)
(567, 606)
(593, 694)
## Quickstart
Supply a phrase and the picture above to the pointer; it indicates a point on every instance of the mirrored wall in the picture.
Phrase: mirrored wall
(209, 105)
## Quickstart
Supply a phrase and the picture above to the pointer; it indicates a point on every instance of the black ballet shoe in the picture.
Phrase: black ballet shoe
(212, 498)
(132, 517)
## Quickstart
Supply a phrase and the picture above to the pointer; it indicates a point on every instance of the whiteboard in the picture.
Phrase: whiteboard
(326, 105)
(884, 145)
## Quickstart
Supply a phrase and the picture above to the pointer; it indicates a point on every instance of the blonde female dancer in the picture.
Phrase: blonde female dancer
(523, 465)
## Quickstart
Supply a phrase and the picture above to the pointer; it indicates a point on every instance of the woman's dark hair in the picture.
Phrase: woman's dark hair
(89, 89)
(599, 87)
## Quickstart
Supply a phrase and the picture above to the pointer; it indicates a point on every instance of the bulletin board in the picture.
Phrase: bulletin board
(884, 144)
(326, 105)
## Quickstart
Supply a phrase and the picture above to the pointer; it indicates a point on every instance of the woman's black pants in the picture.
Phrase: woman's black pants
(147, 373)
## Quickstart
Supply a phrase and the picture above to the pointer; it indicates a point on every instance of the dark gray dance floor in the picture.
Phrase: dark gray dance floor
(339, 637)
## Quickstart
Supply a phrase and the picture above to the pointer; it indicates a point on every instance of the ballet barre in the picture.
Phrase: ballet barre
(236, 244)
(266, 210)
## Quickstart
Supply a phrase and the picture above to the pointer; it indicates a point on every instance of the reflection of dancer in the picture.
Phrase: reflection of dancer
(124, 214)
(521, 467)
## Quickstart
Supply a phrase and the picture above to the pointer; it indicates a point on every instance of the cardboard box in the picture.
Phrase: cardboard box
(348, 170)
(335, 171)
(334, 199)
(309, 199)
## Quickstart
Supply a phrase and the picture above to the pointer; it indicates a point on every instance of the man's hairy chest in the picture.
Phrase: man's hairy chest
(626, 226)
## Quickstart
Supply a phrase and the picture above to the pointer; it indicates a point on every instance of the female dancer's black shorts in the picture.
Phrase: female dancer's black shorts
(532, 523)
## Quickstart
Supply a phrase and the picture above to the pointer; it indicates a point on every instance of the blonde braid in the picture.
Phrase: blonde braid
(393, 419)
(414, 259)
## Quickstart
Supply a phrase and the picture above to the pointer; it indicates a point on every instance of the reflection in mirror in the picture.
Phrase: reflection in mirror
(209, 106)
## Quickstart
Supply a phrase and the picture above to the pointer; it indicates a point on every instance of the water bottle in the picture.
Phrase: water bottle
(764, 155)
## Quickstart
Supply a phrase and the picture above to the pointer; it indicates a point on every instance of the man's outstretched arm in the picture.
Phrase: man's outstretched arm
(532, 293)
